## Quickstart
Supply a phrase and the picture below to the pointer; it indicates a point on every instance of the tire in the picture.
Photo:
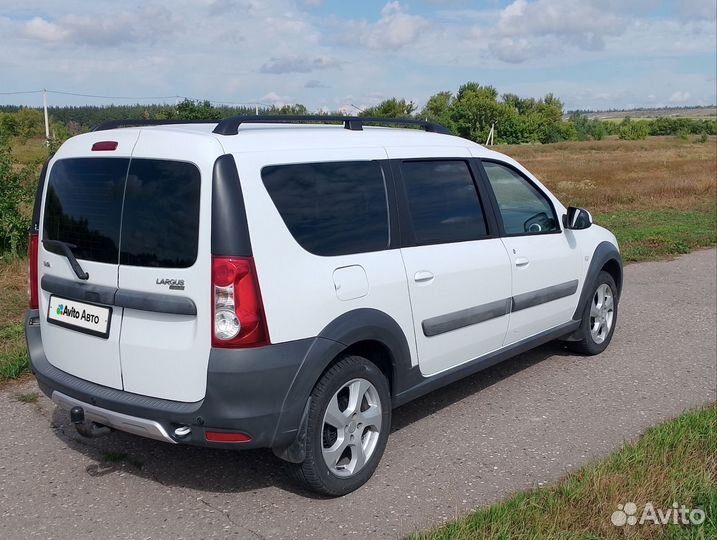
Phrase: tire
(362, 436)
(598, 322)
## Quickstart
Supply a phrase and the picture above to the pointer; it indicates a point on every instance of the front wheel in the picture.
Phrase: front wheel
(348, 425)
(599, 318)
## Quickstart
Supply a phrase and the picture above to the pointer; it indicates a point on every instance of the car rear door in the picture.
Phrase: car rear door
(457, 269)
(165, 266)
(82, 208)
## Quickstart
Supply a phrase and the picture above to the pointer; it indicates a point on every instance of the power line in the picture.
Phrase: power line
(97, 96)
(21, 92)
(109, 97)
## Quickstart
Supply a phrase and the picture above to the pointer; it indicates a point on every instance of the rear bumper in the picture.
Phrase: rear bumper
(254, 391)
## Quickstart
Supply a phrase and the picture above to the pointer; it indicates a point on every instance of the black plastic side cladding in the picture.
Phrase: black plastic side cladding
(230, 231)
(604, 253)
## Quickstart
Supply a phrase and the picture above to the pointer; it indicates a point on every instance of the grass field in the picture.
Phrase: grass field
(673, 462)
(657, 195)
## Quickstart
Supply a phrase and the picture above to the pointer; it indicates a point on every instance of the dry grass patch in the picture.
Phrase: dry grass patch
(613, 175)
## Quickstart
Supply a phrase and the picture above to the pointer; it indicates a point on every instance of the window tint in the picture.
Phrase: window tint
(443, 202)
(160, 225)
(524, 209)
(159, 217)
(331, 208)
(84, 205)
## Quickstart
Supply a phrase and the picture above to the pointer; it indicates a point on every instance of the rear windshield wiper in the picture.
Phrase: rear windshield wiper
(66, 249)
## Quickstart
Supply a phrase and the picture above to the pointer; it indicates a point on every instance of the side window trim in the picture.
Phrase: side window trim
(392, 199)
(494, 201)
(405, 223)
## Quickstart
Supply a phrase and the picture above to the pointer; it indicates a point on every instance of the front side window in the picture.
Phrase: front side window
(443, 202)
(333, 208)
(523, 208)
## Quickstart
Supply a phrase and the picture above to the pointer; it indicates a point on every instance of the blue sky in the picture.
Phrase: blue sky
(332, 54)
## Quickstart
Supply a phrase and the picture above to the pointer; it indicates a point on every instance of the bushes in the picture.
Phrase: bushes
(633, 131)
(17, 188)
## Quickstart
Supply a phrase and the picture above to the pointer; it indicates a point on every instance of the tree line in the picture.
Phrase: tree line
(471, 112)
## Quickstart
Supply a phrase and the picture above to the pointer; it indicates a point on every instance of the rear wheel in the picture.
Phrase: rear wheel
(348, 425)
(599, 318)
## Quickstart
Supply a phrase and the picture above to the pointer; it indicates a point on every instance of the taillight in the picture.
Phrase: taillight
(238, 312)
(32, 285)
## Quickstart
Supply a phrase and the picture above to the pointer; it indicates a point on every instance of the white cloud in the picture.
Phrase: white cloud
(239, 50)
(396, 28)
(532, 29)
(273, 98)
(298, 64)
(680, 97)
(42, 30)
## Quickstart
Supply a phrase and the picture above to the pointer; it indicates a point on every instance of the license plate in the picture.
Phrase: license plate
(88, 318)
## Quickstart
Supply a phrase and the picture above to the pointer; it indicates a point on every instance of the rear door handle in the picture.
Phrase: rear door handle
(522, 261)
(422, 276)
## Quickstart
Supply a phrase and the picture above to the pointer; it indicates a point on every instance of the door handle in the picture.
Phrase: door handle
(522, 261)
(422, 276)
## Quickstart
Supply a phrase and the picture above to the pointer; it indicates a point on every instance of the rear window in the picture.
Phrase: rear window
(331, 208)
(143, 213)
(83, 206)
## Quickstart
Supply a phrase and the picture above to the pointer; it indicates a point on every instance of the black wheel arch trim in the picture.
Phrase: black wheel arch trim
(356, 326)
(604, 253)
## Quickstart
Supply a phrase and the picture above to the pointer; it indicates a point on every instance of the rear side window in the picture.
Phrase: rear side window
(443, 202)
(145, 216)
(331, 208)
(83, 206)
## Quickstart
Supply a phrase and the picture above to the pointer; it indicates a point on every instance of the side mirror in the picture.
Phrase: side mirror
(577, 219)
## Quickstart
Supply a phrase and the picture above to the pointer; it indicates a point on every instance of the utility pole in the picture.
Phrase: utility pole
(47, 125)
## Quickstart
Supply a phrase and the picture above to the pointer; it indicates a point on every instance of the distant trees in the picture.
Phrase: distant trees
(470, 112)
(391, 108)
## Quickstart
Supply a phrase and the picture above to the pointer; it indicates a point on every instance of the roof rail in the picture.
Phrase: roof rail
(230, 126)
(113, 124)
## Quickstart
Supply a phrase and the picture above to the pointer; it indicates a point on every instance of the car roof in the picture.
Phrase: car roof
(266, 136)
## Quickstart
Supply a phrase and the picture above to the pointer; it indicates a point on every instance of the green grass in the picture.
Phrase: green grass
(661, 232)
(28, 397)
(13, 353)
(673, 462)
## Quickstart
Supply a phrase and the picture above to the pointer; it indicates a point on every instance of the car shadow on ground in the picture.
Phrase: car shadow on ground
(227, 471)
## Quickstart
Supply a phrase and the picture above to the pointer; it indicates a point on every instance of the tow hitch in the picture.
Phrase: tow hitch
(87, 428)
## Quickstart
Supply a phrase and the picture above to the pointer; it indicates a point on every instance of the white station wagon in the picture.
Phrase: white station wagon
(259, 282)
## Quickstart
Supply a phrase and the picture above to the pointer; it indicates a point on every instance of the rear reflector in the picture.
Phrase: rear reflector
(223, 436)
(32, 285)
(104, 146)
